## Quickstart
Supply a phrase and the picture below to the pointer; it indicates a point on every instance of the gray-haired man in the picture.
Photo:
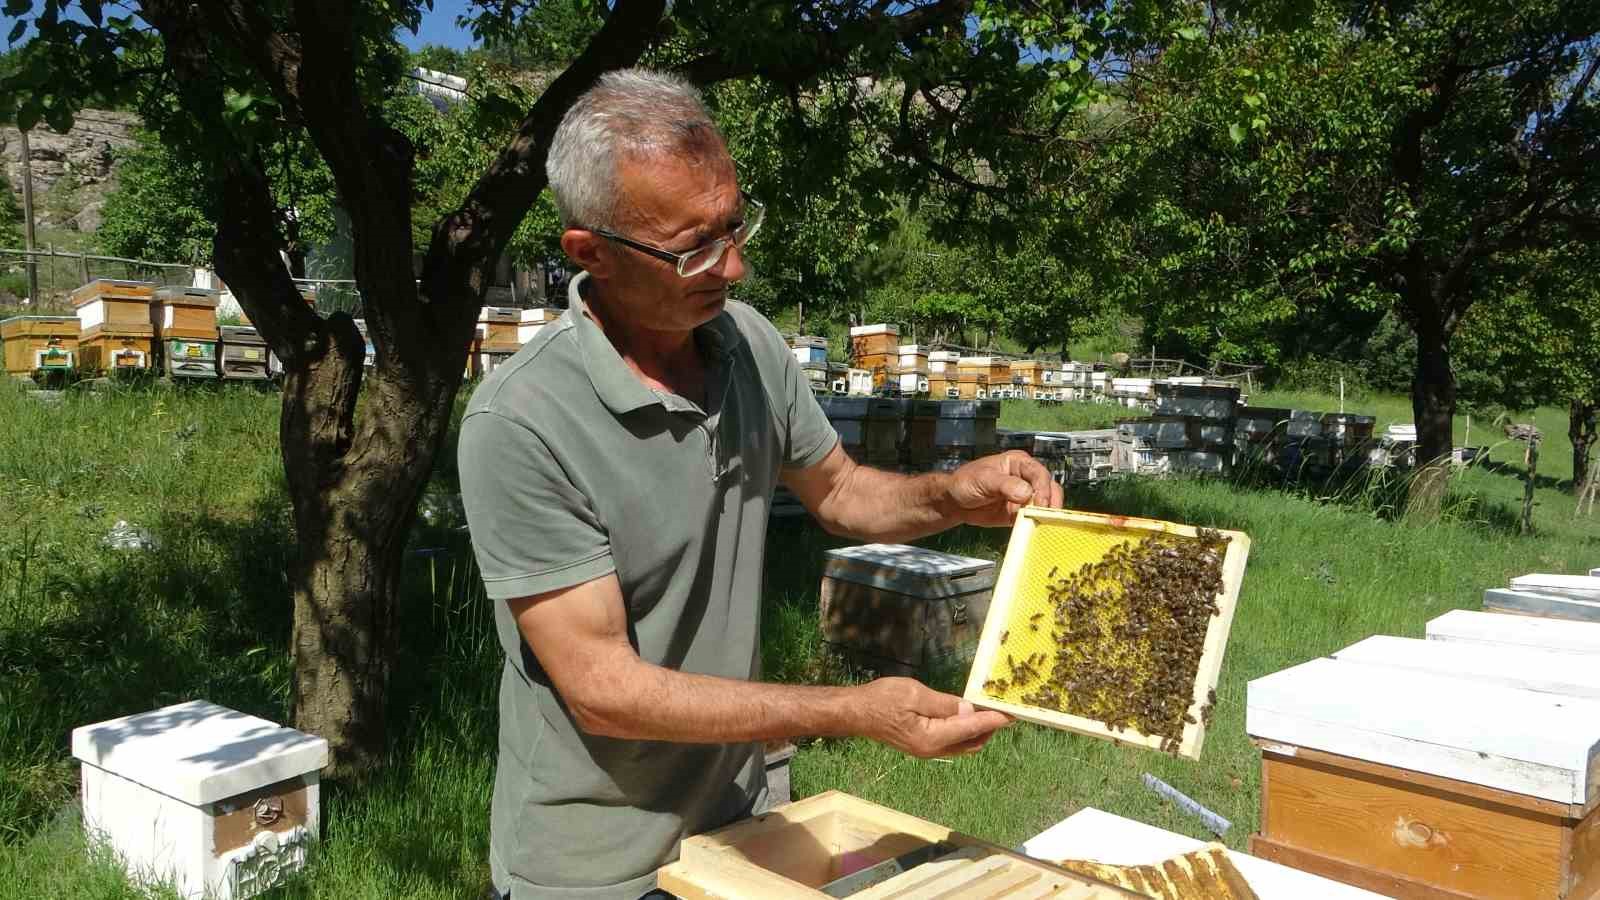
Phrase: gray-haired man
(618, 474)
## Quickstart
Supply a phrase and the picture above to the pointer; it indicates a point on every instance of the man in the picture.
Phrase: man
(618, 474)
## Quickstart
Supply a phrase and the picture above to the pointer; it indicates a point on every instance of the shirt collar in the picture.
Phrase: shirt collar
(616, 384)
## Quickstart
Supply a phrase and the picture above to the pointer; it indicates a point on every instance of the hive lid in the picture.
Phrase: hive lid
(58, 320)
(189, 296)
(864, 330)
(198, 752)
(909, 570)
(1456, 725)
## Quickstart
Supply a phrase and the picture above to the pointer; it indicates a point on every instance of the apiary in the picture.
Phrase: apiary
(39, 343)
(810, 349)
(222, 803)
(836, 845)
(1110, 626)
(880, 342)
(904, 609)
(1438, 768)
(243, 353)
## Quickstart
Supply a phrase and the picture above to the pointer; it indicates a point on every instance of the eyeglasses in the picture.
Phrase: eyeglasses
(701, 258)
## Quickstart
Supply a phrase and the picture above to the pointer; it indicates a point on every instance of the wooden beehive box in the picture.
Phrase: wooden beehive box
(873, 340)
(837, 845)
(223, 804)
(1437, 768)
(188, 313)
(1030, 371)
(243, 353)
(1047, 544)
(34, 343)
(498, 327)
(904, 609)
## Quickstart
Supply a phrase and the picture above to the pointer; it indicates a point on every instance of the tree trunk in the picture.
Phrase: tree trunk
(1583, 427)
(1433, 408)
(352, 515)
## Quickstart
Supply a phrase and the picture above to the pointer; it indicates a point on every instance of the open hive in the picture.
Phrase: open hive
(1110, 626)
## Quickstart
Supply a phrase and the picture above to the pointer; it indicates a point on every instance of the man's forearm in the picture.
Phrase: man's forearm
(626, 697)
(873, 505)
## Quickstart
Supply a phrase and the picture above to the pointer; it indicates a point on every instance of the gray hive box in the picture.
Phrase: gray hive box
(904, 609)
(218, 803)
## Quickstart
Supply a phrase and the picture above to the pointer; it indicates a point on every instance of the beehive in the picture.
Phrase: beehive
(223, 804)
(498, 329)
(1022, 625)
(243, 353)
(810, 349)
(39, 343)
(533, 320)
(117, 329)
(903, 609)
(836, 845)
(873, 341)
(186, 331)
(1030, 372)
(972, 377)
(1466, 765)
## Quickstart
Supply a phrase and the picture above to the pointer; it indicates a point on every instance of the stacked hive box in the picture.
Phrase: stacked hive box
(972, 377)
(39, 344)
(242, 355)
(498, 337)
(869, 428)
(116, 333)
(186, 331)
(1077, 457)
(913, 367)
(965, 430)
(875, 349)
(943, 374)
(1257, 434)
(922, 422)
(812, 353)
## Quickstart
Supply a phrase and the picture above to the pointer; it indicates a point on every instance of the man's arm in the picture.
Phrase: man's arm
(873, 505)
(579, 635)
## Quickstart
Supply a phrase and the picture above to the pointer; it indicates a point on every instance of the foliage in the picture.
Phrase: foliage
(160, 209)
(10, 216)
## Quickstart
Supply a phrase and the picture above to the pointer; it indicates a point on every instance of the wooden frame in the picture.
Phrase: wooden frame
(1009, 585)
(790, 852)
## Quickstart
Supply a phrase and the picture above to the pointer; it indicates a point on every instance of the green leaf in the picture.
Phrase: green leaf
(1192, 33)
(18, 7)
(1252, 100)
(17, 30)
(28, 115)
(1236, 131)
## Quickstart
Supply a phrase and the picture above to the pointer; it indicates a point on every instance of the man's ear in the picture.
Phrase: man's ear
(587, 250)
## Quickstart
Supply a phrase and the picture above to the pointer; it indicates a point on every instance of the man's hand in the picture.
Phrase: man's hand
(990, 491)
(915, 719)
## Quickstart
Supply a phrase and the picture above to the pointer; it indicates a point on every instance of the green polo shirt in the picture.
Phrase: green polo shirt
(572, 469)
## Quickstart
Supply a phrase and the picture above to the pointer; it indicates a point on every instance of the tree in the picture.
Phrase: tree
(158, 210)
(1365, 156)
(1540, 343)
(243, 71)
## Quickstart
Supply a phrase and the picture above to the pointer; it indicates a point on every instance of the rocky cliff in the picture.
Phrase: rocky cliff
(72, 172)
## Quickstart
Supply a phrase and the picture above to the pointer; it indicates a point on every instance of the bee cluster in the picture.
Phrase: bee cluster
(1128, 632)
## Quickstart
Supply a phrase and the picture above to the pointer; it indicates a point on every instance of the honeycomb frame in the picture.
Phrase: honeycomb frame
(1045, 542)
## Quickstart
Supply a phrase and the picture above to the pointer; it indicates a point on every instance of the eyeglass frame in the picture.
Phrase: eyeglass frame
(755, 211)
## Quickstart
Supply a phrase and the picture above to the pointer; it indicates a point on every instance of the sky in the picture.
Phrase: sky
(438, 26)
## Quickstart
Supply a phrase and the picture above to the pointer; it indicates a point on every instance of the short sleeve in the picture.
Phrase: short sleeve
(532, 531)
(811, 435)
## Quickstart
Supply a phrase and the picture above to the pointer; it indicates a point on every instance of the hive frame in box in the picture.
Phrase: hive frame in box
(1009, 583)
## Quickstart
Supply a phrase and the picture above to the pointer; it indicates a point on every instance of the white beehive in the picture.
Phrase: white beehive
(215, 802)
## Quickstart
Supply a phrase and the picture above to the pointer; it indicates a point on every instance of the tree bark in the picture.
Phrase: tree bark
(1583, 427)
(1433, 409)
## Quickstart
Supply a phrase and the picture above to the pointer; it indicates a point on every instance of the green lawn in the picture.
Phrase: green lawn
(88, 633)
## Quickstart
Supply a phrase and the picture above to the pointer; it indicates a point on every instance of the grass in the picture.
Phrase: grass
(88, 632)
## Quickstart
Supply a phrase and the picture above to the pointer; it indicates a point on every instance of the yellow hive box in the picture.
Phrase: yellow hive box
(1049, 543)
